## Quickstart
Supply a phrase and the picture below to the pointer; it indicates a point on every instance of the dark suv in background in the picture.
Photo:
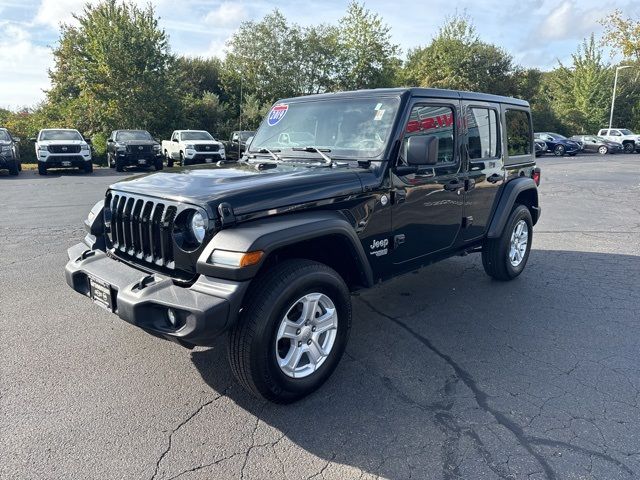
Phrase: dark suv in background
(9, 152)
(133, 148)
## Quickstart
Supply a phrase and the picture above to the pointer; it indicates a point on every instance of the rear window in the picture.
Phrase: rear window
(518, 123)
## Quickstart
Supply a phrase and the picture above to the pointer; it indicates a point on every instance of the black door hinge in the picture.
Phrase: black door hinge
(227, 216)
(467, 221)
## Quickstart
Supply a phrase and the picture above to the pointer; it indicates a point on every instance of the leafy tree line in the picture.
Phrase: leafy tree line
(114, 69)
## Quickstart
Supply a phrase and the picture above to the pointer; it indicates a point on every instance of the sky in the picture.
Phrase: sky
(537, 33)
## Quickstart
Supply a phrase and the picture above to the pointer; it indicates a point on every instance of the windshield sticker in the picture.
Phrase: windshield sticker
(276, 114)
(379, 115)
(378, 106)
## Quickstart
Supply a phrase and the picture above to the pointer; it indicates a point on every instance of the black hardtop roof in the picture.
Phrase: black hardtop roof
(417, 92)
(131, 130)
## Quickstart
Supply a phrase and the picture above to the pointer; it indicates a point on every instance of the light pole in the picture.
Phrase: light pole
(613, 98)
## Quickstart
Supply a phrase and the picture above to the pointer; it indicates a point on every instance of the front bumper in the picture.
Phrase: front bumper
(204, 157)
(131, 159)
(205, 309)
(77, 160)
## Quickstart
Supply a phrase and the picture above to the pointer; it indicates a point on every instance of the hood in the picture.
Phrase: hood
(62, 142)
(244, 187)
(137, 142)
(202, 142)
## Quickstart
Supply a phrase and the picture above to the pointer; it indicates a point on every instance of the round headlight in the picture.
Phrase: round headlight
(198, 228)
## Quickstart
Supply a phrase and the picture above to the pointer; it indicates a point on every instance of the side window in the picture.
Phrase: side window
(483, 133)
(518, 132)
(616, 133)
(435, 121)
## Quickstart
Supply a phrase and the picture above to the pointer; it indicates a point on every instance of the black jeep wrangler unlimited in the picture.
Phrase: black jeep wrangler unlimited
(9, 152)
(133, 148)
(336, 193)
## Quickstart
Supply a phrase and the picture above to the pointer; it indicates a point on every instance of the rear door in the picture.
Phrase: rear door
(427, 204)
(484, 165)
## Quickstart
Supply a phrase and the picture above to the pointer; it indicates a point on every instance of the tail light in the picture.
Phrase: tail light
(536, 175)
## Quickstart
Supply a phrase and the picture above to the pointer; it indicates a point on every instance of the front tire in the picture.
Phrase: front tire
(88, 167)
(169, 159)
(505, 257)
(629, 147)
(111, 161)
(559, 150)
(293, 331)
(42, 169)
(183, 162)
(119, 165)
(158, 164)
(603, 150)
(14, 169)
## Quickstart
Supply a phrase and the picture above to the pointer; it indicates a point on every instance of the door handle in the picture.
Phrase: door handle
(453, 185)
(495, 178)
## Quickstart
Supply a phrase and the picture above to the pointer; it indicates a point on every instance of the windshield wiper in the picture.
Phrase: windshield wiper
(270, 152)
(320, 151)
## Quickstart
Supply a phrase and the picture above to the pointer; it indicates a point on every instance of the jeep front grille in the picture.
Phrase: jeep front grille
(141, 228)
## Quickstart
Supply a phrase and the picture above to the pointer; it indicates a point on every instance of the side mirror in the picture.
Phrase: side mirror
(16, 139)
(109, 140)
(88, 140)
(33, 139)
(422, 150)
(175, 140)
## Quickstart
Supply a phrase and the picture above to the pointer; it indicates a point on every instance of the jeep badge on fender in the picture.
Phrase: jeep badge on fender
(334, 193)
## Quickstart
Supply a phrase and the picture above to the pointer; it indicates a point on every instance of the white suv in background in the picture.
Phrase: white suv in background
(62, 148)
(629, 140)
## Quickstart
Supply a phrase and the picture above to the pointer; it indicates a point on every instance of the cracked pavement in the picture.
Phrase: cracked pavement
(447, 375)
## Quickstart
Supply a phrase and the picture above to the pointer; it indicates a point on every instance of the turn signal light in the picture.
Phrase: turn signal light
(236, 259)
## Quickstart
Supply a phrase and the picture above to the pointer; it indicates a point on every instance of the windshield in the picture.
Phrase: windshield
(4, 136)
(60, 135)
(348, 127)
(196, 136)
(626, 131)
(244, 136)
(127, 135)
(557, 136)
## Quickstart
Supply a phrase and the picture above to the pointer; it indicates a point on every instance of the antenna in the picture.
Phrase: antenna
(240, 119)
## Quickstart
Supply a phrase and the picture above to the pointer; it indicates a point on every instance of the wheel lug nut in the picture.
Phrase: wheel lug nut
(298, 332)
(299, 344)
(309, 342)
(313, 329)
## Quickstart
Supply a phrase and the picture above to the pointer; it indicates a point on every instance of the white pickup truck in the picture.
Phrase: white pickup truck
(192, 146)
(629, 140)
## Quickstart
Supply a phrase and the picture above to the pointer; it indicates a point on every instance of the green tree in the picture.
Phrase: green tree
(457, 59)
(580, 93)
(112, 70)
(622, 34)
(366, 56)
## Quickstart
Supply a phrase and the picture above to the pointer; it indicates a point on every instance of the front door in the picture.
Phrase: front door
(485, 172)
(427, 204)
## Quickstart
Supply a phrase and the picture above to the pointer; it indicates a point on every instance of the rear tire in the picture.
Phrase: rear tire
(42, 168)
(111, 161)
(268, 356)
(498, 253)
(169, 159)
(183, 161)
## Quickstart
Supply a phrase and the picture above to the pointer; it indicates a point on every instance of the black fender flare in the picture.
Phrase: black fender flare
(510, 192)
(271, 234)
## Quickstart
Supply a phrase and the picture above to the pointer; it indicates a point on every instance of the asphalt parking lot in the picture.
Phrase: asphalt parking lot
(447, 374)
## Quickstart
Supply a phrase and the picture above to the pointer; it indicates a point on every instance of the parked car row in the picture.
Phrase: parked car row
(67, 148)
(616, 140)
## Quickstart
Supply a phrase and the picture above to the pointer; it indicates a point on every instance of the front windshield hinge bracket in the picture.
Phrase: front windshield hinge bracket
(227, 216)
